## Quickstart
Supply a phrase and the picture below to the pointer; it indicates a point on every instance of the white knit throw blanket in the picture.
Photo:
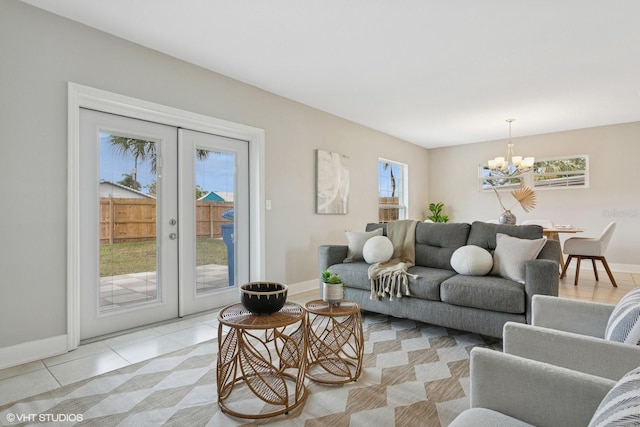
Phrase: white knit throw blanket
(387, 278)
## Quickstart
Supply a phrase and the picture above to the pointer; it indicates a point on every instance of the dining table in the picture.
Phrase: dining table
(553, 233)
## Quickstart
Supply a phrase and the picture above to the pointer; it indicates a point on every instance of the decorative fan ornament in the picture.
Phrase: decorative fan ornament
(526, 197)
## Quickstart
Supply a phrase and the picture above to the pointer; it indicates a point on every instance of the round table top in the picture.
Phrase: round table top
(559, 229)
(323, 308)
(236, 316)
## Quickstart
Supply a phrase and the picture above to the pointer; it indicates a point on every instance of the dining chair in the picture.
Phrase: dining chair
(589, 248)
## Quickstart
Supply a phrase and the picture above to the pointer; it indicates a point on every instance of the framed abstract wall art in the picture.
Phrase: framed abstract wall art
(332, 183)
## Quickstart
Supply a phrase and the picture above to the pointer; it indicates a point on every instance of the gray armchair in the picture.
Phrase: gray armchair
(570, 334)
(508, 390)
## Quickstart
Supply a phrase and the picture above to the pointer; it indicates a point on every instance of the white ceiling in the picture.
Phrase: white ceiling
(432, 72)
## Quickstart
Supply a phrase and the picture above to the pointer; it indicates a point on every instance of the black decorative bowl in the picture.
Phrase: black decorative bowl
(263, 297)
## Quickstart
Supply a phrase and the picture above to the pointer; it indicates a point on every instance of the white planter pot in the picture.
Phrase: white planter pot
(332, 293)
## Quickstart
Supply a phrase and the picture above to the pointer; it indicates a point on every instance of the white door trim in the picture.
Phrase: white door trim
(80, 96)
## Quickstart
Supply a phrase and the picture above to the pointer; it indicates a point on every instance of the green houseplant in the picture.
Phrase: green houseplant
(332, 288)
(436, 212)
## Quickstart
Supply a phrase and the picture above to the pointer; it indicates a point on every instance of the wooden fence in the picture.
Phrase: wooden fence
(390, 213)
(134, 220)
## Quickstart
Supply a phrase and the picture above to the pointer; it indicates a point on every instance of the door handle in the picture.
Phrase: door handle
(173, 236)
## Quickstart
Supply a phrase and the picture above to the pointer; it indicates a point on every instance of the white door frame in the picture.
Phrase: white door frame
(108, 102)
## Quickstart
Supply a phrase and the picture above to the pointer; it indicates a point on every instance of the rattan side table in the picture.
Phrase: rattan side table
(336, 343)
(261, 356)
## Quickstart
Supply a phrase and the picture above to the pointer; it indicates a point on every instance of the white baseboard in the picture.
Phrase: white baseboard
(32, 350)
(301, 287)
(585, 265)
(622, 268)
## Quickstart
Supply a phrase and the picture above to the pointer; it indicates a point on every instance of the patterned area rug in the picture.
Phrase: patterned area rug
(413, 374)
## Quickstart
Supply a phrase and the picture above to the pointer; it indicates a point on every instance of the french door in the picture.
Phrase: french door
(163, 222)
(212, 161)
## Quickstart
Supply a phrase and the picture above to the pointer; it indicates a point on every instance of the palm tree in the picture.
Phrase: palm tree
(393, 178)
(138, 148)
(142, 150)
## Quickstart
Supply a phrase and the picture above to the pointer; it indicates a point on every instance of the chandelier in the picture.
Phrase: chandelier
(510, 165)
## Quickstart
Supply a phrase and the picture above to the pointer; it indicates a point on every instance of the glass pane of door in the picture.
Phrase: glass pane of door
(127, 218)
(215, 247)
(214, 219)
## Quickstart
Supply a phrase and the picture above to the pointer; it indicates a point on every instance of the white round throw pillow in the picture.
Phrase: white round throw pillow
(472, 261)
(377, 249)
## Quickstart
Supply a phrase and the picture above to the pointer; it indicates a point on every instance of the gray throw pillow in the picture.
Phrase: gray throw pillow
(356, 241)
(621, 406)
(624, 322)
(511, 255)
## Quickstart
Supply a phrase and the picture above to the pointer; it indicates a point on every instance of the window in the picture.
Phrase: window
(487, 180)
(392, 191)
(561, 172)
(547, 173)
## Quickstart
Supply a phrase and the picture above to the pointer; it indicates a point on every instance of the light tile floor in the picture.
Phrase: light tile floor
(112, 353)
(106, 355)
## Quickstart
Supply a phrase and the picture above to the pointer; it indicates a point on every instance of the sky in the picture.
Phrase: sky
(384, 179)
(213, 174)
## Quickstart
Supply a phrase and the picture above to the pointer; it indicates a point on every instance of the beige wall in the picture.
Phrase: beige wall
(613, 194)
(42, 52)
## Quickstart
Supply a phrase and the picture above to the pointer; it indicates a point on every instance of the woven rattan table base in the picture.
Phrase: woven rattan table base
(336, 342)
(261, 357)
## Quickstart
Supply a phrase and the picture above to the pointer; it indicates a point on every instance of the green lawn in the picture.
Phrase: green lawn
(135, 257)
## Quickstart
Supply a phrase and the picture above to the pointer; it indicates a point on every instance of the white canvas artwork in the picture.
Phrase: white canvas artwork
(332, 183)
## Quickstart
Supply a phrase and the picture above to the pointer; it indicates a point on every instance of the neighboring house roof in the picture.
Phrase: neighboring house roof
(217, 196)
(119, 191)
(227, 196)
(212, 196)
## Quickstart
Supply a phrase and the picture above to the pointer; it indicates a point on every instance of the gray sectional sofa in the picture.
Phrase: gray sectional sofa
(440, 296)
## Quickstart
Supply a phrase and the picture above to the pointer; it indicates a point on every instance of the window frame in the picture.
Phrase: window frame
(402, 207)
(584, 173)
(528, 179)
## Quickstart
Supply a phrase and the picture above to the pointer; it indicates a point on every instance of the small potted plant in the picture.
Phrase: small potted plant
(332, 288)
(436, 212)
